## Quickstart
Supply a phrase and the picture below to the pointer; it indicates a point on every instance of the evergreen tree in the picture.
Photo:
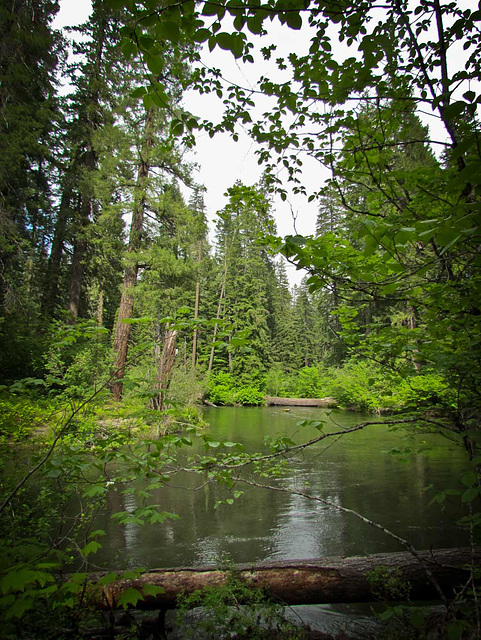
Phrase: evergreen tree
(248, 271)
(29, 55)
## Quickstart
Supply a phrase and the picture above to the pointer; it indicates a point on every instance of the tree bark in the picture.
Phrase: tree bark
(80, 250)
(301, 402)
(89, 162)
(196, 309)
(122, 329)
(164, 369)
(216, 326)
(319, 581)
(55, 258)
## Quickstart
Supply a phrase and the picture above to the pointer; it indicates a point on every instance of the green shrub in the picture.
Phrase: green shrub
(249, 396)
(367, 386)
(20, 416)
(359, 384)
(220, 389)
(428, 389)
(233, 610)
(79, 358)
(308, 383)
(277, 382)
(223, 378)
(221, 394)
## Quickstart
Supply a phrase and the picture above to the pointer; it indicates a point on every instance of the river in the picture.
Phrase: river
(383, 474)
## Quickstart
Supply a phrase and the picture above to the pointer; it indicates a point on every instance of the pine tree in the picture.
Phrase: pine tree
(29, 55)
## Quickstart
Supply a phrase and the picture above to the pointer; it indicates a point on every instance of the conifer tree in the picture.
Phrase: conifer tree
(29, 54)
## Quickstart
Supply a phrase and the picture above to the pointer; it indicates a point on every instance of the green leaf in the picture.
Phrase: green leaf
(293, 20)
(138, 92)
(201, 35)
(169, 30)
(148, 103)
(96, 490)
(152, 590)
(455, 630)
(18, 608)
(128, 47)
(108, 579)
(129, 596)
(225, 40)
(210, 9)
(469, 479)
(469, 495)
(98, 533)
(176, 128)
(92, 547)
(254, 24)
(390, 288)
(155, 64)
(116, 4)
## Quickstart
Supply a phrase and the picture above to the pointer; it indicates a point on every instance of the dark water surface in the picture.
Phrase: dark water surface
(359, 471)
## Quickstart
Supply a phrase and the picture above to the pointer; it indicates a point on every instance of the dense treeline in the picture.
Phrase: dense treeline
(118, 313)
(97, 232)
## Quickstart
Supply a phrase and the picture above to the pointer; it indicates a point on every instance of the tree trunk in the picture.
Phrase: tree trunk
(100, 306)
(76, 277)
(81, 245)
(320, 581)
(55, 258)
(301, 402)
(216, 326)
(196, 310)
(164, 369)
(122, 329)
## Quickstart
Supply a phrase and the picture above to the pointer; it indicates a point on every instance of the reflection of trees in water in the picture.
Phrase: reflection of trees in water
(358, 472)
(308, 529)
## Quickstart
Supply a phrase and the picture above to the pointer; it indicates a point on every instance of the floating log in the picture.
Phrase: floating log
(320, 581)
(301, 402)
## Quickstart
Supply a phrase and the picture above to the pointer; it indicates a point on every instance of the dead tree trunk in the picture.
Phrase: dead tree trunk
(122, 328)
(164, 369)
(320, 581)
(196, 309)
(216, 327)
(301, 402)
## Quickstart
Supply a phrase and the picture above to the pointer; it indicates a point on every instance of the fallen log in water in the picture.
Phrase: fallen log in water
(321, 581)
(301, 402)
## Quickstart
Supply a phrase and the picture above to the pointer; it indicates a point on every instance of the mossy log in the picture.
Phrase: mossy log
(301, 402)
(319, 581)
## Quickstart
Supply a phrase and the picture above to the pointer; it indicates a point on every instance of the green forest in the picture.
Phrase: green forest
(123, 312)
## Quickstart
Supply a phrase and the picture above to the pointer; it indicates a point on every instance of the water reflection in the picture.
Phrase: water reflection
(358, 472)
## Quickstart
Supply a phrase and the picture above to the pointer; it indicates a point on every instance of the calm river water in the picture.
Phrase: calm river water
(363, 471)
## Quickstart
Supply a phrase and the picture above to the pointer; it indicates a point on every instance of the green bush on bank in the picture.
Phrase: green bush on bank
(223, 390)
(358, 384)
(249, 396)
(20, 416)
(367, 386)
(363, 385)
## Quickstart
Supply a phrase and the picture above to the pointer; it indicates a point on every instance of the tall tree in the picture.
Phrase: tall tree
(29, 55)
(247, 269)
(87, 110)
